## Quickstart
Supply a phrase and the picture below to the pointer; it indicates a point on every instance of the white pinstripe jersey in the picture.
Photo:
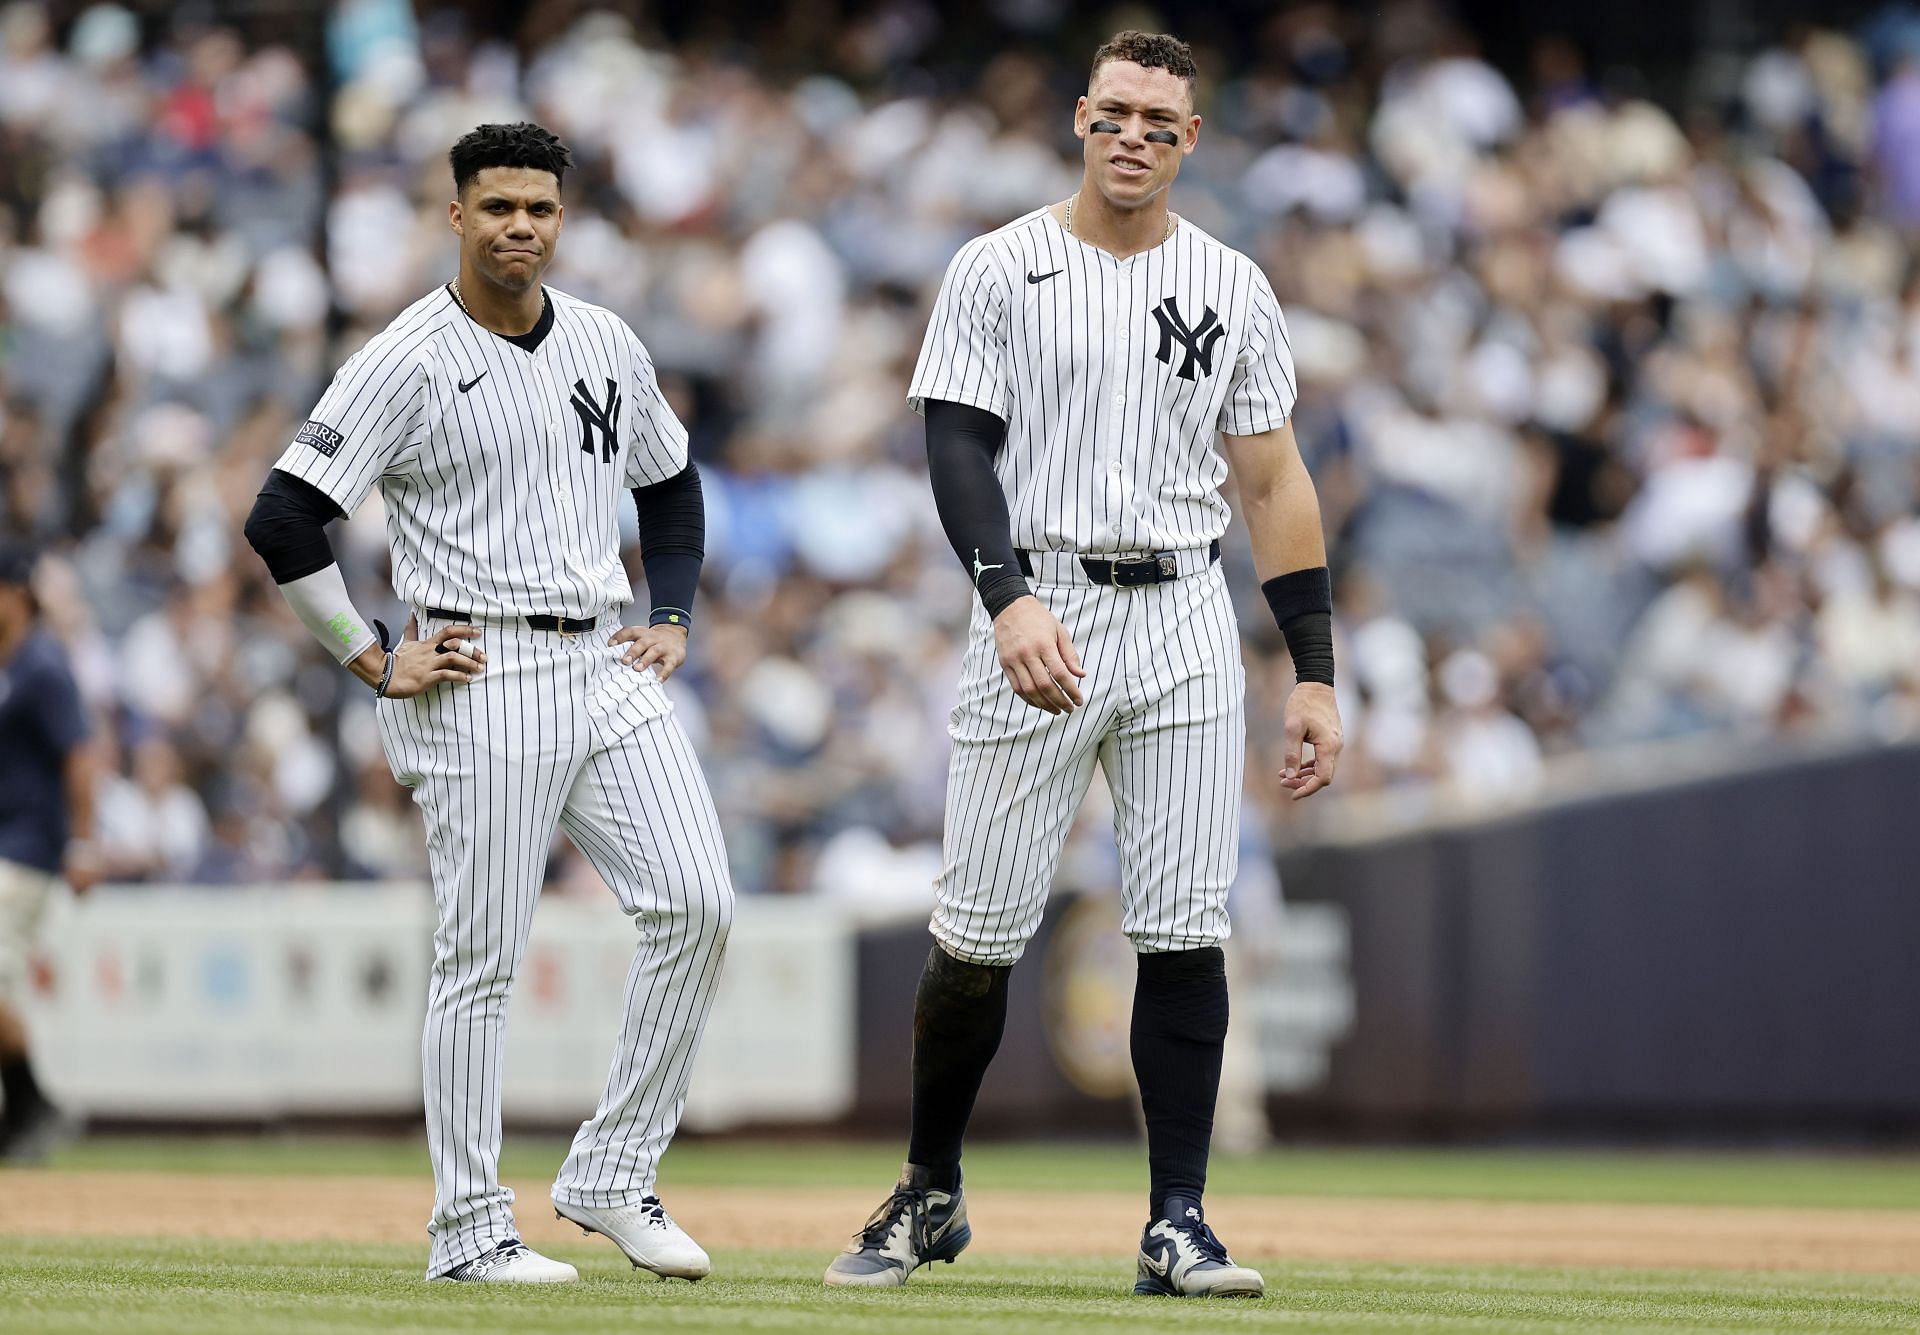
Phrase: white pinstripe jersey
(1113, 376)
(501, 468)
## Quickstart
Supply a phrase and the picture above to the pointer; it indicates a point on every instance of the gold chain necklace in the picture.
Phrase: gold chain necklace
(462, 300)
(1068, 223)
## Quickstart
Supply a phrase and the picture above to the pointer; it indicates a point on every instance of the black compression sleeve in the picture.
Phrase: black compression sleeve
(961, 443)
(288, 527)
(673, 544)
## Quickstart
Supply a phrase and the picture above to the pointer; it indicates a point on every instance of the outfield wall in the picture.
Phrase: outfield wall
(197, 1005)
(1729, 952)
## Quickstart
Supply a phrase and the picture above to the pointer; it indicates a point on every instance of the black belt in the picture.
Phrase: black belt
(537, 620)
(1128, 572)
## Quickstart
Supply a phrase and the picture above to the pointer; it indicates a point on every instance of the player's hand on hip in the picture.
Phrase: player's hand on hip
(662, 648)
(1038, 656)
(1313, 719)
(451, 655)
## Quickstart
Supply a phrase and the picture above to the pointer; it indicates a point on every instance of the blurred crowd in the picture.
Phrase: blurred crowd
(1614, 407)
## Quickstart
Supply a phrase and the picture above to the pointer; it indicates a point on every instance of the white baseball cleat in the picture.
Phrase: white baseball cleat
(513, 1262)
(646, 1233)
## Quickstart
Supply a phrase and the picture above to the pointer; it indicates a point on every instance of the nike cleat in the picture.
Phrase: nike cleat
(513, 1262)
(915, 1226)
(1181, 1258)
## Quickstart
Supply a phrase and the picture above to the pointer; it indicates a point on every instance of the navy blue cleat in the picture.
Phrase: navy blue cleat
(916, 1226)
(1181, 1258)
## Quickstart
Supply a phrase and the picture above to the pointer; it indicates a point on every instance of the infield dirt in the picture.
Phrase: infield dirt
(386, 1209)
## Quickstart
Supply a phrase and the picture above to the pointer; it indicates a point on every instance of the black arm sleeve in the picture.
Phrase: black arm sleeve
(288, 527)
(673, 543)
(961, 443)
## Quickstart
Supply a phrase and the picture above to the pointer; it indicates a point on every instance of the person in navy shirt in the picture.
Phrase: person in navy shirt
(46, 822)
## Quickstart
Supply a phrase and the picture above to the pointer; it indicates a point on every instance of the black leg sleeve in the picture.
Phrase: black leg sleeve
(959, 1013)
(1179, 1031)
(19, 1091)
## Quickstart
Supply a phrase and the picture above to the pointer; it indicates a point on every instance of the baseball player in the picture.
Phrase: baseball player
(1080, 369)
(47, 772)
(501, 421)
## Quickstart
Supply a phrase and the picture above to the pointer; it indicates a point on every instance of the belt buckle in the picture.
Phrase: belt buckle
(1134, 571)
(566, 629)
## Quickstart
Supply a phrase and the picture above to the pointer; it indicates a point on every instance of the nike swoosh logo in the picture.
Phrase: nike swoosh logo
(466, 385)
(1154, 1263)
(1042, 277)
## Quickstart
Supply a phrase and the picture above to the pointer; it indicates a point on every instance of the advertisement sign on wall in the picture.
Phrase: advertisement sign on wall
(158, 1002)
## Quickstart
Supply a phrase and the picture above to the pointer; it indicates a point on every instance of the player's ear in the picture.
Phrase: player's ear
(1080, 118)
(1193, 135)
(453, 215)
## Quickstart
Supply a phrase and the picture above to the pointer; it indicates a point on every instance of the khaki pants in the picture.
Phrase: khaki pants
(24, 892)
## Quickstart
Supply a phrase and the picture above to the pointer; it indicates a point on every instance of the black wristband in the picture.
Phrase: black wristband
(1302, 603)
(1310, 640)
(672, 616)
(1299, 591)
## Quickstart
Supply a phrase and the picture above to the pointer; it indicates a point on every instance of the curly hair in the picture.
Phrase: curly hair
(522, 144)
(1149, 50)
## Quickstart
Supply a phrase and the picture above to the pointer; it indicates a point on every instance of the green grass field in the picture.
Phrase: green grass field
(98, 1287)
(86, 1284)
(1852, 1181)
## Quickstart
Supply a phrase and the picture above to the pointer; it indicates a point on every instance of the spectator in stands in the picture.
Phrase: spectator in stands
(153, 827)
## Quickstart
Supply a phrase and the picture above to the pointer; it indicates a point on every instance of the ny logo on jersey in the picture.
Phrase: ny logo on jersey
(601, 417)
(1198, 341)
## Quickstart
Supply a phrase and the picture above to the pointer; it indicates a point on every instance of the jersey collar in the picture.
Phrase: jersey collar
(527, 342)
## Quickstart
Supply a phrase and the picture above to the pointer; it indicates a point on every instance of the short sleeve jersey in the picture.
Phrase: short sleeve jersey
(501, 462)
(41, 722)
(1114, 377)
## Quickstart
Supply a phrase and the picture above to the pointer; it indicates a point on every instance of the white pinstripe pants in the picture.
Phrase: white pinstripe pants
(557, 731)
(1164, 718)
